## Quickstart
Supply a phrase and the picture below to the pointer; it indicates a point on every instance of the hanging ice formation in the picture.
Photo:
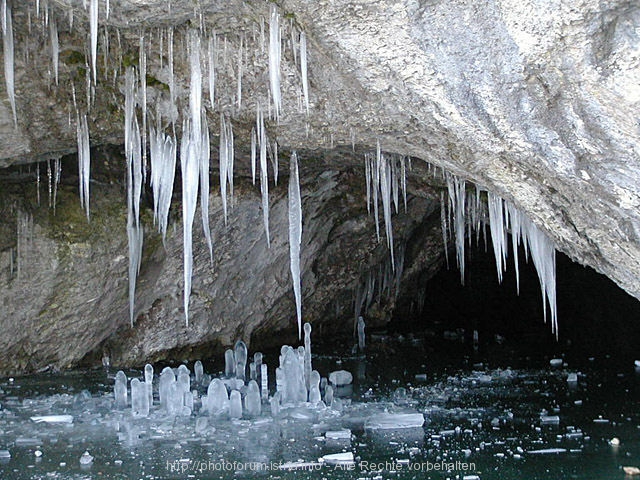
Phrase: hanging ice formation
(93, 27)
(135, 233)
(84, 162)
(264, 183)
(205, 156)
(7, 37)
(55, 47)
(303, 70)
(226, 162)
(295, 234)
(502, 217)
(274, 60)
(163, 165)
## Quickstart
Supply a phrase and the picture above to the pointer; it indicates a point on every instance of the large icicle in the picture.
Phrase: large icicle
(274, 60)
(84, 162)
(93, 26)
(205, 154)
(224, 164)
(497, 225)
(457, 198)
(190, 171)
(264, 182)
(385, 190)
(303, 69)
(211, 55)
(295, 234)
(163, 166)
(7, 37)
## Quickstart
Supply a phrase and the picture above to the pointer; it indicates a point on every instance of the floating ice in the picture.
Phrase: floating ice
(549, 419)
(393, 421)
(546, 451)
(53, 419)
(338, 434)
(86, 458)
(572, 378)
(556, 362)
(338, 458)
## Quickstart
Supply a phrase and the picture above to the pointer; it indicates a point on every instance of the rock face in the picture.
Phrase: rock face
(536, 101)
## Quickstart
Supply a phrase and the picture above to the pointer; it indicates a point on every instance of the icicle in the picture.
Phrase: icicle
(108, 9)
(190, 172)
(498, 233)
(443, 221)
(274, 161)
(7, 36)
(163, 165)
(93, 20)
(224, 164)
(84, 162)
(239, 87)
(172, 80)
(457, 197)
(274, 60)
(143, 88)
(403, 183)
(57, 167)
(204, 184)
(38, 182)
(303, 69)
(211, 54)
(295, 234)
(55, 47)
(367, 176)
(516, 233)
(264, 184)
(253, 155)
(385, 190)
(375, 176)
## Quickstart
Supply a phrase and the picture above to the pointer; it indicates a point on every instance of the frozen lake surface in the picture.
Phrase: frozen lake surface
(461, 417)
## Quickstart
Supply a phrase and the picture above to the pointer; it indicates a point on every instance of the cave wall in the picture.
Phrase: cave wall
(535, 101)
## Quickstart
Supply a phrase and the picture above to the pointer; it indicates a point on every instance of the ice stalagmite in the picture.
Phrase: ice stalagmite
(93, 27)
(295, 234)
(84, 162)
(274, 60)
(7, 37)
(303, 69)
(55, 47)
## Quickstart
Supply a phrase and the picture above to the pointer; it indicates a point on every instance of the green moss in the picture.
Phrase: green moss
(72, 57)
(154, 82)
(130, 60)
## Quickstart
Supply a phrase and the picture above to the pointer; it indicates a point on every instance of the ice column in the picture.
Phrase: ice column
(361, 339)
(295, 234)
(235, 404)
(252, 403)
(229, 363)
(307, 354)
(139, 399)
(148, 382)
(120, 390)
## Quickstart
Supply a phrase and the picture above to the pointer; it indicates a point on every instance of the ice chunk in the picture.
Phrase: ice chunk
(53, 419)
(338, 458)
(572, 378)
(549, 419)
(338, 435)
(556, 362)
(120, 390)
(235, 404)
(86, 458)
(252, 403)
(392, 421)
(340, 377)
(545, 451)
(5, 454)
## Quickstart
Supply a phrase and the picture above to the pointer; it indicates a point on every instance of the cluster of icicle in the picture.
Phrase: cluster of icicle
(144, 134)
(236, 394)
(461, 216)
(464, 215)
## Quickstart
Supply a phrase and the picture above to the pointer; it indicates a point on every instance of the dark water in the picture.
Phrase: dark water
(482, 417)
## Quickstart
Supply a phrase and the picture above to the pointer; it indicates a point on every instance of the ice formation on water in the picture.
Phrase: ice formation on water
(8, 52)
(295, 234)
(274, 60)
